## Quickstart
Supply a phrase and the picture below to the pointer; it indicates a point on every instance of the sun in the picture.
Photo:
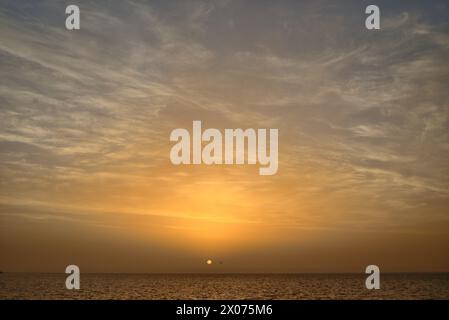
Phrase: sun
(209, 261)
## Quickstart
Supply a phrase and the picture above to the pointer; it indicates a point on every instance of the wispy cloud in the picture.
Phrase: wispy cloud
(363, 116)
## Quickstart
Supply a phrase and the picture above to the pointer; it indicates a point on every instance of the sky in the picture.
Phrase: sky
(86, 115)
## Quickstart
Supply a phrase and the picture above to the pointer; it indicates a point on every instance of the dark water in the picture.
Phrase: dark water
(204, 286)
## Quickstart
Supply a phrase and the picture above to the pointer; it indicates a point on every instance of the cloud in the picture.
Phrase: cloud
(86, 115)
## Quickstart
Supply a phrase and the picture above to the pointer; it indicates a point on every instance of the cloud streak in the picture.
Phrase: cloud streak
(363, 116)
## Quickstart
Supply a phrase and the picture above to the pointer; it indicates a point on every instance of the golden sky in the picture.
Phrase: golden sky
(363, 119)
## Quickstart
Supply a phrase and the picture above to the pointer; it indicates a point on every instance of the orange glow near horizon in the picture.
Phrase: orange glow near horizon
(86, 117)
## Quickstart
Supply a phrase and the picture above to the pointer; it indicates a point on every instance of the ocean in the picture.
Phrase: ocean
(224, 286)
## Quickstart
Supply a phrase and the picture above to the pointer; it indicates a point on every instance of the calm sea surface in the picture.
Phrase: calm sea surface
(208, 286)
